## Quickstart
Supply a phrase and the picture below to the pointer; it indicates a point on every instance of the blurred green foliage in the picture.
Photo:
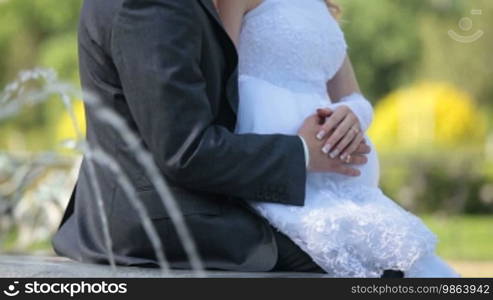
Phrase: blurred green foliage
(394, 43)
(463, 237)
(401, 44)
(36, 34)
(444, 184)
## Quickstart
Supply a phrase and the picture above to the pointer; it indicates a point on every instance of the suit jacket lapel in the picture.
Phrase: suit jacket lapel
(209, 6)
(232, 57)
(211, 10)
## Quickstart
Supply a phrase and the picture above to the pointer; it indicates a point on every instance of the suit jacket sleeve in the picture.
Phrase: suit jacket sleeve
(157, 50)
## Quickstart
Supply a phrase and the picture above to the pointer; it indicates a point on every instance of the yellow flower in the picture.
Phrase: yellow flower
(65, 127)
(428, 115)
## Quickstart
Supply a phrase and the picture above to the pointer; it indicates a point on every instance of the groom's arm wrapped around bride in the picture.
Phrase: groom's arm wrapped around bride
(169, 69)
(159, 51)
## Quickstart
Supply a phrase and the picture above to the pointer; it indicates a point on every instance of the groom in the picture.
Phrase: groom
(169, 69)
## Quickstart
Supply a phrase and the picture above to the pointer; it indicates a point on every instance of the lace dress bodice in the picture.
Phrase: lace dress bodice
(295, 44)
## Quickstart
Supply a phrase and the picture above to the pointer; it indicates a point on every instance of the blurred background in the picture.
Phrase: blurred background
(426, 65)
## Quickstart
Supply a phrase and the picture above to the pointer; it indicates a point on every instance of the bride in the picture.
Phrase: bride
(293, 61)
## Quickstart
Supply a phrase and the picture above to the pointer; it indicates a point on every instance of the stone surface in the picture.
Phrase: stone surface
(52, 267)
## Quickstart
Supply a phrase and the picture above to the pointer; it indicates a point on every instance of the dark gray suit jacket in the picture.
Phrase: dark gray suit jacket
(169, 69)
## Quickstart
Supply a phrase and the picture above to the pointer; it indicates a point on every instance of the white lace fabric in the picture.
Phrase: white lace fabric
(287, 43)
(289, 49)
(352, 231)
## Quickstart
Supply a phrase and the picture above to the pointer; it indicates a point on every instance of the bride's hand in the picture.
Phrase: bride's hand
(345, 132)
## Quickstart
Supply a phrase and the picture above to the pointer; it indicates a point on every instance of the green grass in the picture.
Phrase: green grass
(463, 237)
(9, 244)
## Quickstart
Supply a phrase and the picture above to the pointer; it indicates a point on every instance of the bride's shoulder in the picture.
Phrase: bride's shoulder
(253, 4)
(243, 6)
(232, 14)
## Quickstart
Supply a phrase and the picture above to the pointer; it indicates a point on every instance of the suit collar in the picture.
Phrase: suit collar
(211, 9)
(232, 58)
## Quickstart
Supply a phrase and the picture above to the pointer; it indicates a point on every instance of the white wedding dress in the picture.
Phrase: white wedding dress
(288, 50)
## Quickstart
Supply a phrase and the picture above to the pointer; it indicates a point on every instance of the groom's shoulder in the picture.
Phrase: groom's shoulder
(95, 24)
(107, 9)
(101, 7)
(112, 5)
(97, 18)
(97, 13)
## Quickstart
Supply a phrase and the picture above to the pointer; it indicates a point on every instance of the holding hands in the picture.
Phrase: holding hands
(320, 129)
(342, 130)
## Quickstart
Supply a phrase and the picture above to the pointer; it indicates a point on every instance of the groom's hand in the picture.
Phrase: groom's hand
(321, 162)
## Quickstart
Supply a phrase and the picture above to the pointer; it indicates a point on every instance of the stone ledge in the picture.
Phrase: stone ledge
(56, 267)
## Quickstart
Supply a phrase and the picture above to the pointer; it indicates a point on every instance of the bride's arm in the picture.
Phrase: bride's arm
(352, 113)
(344, 89)
(232, 12)
(344, 83)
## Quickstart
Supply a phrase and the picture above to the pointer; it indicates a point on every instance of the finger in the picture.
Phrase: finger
(331, 122)
(347, 170)
(341, 130)
(358, 159)
(323, 114)
(362, 149)
(351, 148)
(346, 141)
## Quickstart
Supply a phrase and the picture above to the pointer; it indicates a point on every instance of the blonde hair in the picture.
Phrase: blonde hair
(334, 8)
